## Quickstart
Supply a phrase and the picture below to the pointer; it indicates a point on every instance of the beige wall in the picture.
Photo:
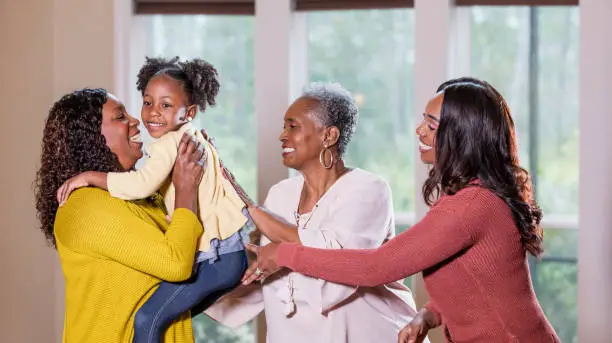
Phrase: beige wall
(27, 268)
(48, 48)
(82, 45)
(595, 222)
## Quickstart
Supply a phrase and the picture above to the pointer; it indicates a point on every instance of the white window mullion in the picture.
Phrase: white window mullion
(278, 50)
(280, 72)
(433, 23)
(459, 63)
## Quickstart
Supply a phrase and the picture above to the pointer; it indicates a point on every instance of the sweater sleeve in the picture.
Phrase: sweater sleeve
(141, 183)
(94, 223)
(442, 233)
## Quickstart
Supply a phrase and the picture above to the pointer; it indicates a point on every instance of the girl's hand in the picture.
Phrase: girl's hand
(70, 185)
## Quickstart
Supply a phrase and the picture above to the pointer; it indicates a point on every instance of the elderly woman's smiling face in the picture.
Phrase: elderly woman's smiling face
(303, 136)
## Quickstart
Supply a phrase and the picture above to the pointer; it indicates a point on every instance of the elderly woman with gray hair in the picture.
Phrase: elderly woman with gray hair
(332, 206)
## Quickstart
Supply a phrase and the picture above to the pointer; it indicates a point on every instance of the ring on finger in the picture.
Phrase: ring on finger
(258, 272)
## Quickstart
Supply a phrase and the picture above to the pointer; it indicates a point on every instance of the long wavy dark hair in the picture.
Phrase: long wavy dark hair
(476, 139)
(72, 143)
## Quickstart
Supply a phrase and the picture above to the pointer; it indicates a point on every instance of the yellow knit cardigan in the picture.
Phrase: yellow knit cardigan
(114, 254)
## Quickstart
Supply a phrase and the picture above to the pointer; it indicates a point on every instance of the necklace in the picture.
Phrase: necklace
(296, 213)
(298, 216)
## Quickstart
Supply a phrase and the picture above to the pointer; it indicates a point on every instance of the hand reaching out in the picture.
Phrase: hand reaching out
(416, 330)
(265, 264)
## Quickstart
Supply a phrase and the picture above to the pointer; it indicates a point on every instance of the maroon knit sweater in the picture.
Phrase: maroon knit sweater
(474, 266)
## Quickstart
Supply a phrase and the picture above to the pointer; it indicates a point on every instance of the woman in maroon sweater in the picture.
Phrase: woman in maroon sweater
(471, 246)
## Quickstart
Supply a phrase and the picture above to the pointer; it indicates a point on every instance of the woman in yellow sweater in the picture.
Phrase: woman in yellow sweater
(114, 253)
(172, 92)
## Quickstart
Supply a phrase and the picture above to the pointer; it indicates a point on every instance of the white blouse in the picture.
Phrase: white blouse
(355, 213)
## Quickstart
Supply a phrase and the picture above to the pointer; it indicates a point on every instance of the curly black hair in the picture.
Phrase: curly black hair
(198, 77)
(476, 138)
(72, 143)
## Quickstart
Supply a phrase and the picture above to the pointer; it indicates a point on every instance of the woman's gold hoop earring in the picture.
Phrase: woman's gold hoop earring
(322, 158)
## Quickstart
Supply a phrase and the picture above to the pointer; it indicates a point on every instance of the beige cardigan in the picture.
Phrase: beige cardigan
(219, 206)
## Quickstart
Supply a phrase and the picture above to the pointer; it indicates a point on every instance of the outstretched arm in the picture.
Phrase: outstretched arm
(275, 228)
(439, 236)
(129, 185)
(142, 183)
(90, 178)
(431, 241)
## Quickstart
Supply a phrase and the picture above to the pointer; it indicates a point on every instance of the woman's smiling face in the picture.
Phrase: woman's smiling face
(426, 131)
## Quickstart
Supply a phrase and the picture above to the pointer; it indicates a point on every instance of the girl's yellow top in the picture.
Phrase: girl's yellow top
(114, 253)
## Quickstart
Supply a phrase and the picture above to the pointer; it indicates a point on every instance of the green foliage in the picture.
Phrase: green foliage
(500, 52)
(371, 53)
(207, 330)
(555, 282)
(227, 43)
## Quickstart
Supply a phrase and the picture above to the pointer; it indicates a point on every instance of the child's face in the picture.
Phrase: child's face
(164, 106)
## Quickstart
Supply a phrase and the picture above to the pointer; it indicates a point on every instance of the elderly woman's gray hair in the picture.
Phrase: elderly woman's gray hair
(336, 107)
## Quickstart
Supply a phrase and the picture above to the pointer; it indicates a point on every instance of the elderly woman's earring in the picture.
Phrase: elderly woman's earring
(322, 158)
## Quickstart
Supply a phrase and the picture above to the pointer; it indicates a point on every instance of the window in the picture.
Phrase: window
(370, 53)
(227, 43)
(531, 55)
